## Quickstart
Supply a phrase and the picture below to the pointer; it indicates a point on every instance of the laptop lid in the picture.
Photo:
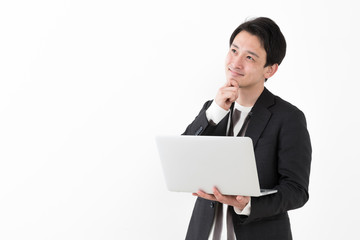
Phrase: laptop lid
(191, 163)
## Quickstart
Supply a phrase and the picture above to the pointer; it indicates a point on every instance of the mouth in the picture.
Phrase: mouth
(235, 72)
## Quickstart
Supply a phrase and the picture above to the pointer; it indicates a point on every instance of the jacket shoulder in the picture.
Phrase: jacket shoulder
(284, 106)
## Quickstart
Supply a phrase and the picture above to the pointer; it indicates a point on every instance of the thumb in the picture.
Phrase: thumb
(239, 198)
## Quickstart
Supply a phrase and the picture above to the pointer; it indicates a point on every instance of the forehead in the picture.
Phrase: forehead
(248, 42)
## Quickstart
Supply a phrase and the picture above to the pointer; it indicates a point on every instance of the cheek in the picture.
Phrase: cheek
(227, 60)
(257, 71)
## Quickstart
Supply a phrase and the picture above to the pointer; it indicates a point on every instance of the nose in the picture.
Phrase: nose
(238, 62)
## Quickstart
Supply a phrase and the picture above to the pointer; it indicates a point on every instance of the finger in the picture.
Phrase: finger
(233, 83)
(229, 92)
(205, 195)
(217, 194)
(216, 191)
(243, 200)
(230, 84)
(233, 88)
(227, 84)
(226, 199)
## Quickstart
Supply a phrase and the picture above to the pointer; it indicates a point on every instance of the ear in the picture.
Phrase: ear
(270, 70)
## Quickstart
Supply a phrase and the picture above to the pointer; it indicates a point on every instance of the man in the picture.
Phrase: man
(279, 134)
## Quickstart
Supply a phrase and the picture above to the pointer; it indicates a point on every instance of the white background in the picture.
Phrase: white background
(86, 85)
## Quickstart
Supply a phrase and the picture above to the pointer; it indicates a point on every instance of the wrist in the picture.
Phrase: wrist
(225, 106)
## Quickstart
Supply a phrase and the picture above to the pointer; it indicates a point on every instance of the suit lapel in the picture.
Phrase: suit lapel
(260, 116)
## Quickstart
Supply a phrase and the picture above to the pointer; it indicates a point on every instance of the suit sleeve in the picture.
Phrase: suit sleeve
(293, 169)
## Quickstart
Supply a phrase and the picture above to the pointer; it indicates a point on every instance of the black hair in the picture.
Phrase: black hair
(269, 35)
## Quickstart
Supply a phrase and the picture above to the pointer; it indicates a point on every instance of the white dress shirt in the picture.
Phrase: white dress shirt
(222, 217)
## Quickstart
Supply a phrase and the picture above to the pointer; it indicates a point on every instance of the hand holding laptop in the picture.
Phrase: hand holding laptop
(232, 200)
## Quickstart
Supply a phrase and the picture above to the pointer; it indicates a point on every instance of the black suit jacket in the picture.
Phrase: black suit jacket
(283, 156)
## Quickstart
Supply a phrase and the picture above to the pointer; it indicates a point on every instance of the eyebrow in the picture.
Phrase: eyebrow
(248, 51)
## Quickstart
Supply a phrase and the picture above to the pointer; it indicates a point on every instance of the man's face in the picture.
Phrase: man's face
(245, 61)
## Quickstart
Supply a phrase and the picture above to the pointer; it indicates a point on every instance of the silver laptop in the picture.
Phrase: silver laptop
(192, 163)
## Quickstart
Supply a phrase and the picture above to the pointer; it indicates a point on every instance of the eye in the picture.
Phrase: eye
(233, 50)
(250, 58)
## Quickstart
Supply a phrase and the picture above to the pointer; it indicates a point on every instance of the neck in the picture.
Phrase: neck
(247, 97)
